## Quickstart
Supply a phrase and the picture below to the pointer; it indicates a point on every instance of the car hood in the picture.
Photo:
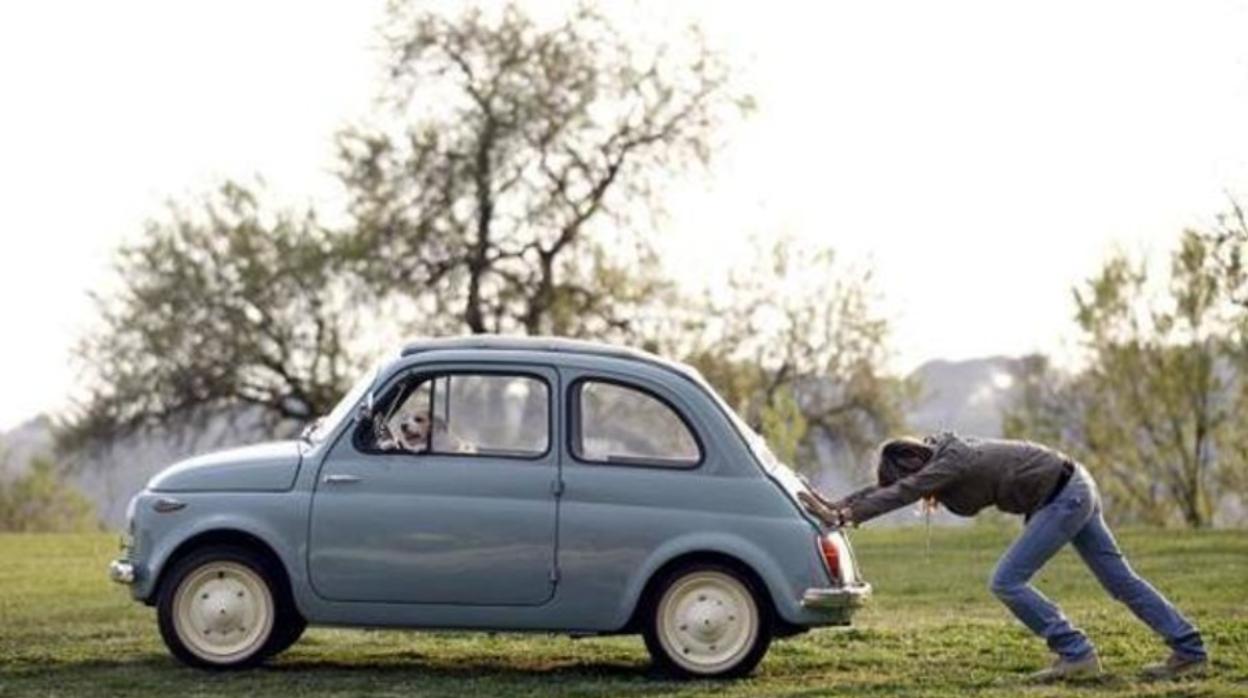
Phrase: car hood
(265, 467)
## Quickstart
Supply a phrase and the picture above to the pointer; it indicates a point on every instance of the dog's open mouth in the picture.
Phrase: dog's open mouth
(412, 432)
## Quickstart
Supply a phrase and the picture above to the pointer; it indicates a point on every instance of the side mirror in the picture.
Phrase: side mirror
(365, 412)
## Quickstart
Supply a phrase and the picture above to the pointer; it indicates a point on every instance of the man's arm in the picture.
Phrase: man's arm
(827, 510)
(946, 468)
(817, 505)
(852, 497)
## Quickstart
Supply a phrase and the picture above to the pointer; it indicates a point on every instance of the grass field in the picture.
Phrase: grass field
(932, 629)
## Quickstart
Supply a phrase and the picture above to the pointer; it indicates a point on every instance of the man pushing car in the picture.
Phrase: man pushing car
(1061, 504)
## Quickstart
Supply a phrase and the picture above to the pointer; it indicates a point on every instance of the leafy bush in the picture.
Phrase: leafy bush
(41, 500)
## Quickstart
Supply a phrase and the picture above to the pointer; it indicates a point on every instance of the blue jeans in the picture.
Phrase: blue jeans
(1075, 516)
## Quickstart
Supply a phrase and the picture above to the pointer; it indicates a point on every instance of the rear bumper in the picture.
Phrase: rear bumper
(842, 599)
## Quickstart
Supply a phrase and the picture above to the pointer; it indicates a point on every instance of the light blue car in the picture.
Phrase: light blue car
(500, 484)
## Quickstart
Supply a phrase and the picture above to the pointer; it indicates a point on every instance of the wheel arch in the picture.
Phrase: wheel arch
(651, 588)
(222, 536)
(731, 551)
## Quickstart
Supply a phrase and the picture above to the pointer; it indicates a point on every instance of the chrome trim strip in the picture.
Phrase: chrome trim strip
(164, 505)
(338, 479)
(851, 596)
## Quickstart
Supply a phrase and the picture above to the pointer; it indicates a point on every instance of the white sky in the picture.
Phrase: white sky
(984, 157)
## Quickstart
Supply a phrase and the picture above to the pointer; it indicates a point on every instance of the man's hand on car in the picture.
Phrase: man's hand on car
(824, 510)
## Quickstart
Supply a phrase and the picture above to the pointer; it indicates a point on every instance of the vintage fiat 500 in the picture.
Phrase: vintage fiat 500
(495, 484)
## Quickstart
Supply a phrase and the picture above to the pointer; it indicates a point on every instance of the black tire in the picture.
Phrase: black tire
(668, 662)
(267, 579)
(286, 633)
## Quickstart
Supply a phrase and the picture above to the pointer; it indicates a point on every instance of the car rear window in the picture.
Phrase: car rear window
(625, 425)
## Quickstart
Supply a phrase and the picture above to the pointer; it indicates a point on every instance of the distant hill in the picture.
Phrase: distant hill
(969, 397)
(26, 441)
(966, 396)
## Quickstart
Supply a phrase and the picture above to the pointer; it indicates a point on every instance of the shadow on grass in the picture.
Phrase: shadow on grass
(313, 674)
(416, 663)
(413, 673)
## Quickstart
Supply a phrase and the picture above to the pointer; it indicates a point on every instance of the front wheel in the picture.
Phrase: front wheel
(286, 633)
(221, 607)
(707, 621)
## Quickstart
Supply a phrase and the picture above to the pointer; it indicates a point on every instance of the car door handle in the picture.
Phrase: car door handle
(340, 479)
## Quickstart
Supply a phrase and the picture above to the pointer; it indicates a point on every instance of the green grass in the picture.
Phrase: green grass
(932, 629)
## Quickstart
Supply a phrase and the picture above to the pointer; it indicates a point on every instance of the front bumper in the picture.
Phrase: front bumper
(121, 571)
(837, 598)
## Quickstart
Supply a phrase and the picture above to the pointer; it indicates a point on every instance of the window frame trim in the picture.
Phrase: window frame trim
(427, 371)
(573, 398)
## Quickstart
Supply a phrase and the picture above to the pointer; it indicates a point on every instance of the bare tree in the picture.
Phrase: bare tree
(219, 308)
(508, 194)
(797, 346)
(524, 159)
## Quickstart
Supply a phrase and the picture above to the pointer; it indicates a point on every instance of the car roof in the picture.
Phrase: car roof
(543, 344)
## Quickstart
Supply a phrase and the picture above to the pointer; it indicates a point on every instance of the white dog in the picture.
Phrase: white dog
(413, 432)
(413, 435)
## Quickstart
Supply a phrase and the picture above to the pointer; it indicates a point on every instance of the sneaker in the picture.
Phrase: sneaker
(1086, 667)
(1177, 665)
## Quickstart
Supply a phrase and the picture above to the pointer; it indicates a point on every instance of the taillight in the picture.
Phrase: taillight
(831, 557)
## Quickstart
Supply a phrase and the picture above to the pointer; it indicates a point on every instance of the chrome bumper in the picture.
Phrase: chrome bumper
(836, 598)
(121, 571)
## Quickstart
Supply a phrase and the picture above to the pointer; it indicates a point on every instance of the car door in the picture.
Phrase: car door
(637, 477)
(466, 517)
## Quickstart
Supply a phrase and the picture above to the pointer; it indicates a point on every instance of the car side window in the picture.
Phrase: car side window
(621, 424)
(466, 413)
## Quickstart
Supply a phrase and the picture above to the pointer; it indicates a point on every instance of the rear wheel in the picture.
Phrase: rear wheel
(222, 607)
(707, 621)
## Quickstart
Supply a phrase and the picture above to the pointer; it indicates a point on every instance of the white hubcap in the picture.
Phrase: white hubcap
(707, 622)
(223, 612)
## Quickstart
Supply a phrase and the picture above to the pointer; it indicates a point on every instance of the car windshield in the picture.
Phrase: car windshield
(324, 425)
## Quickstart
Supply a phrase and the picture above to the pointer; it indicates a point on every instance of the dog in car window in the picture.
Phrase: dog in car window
(414, 431)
